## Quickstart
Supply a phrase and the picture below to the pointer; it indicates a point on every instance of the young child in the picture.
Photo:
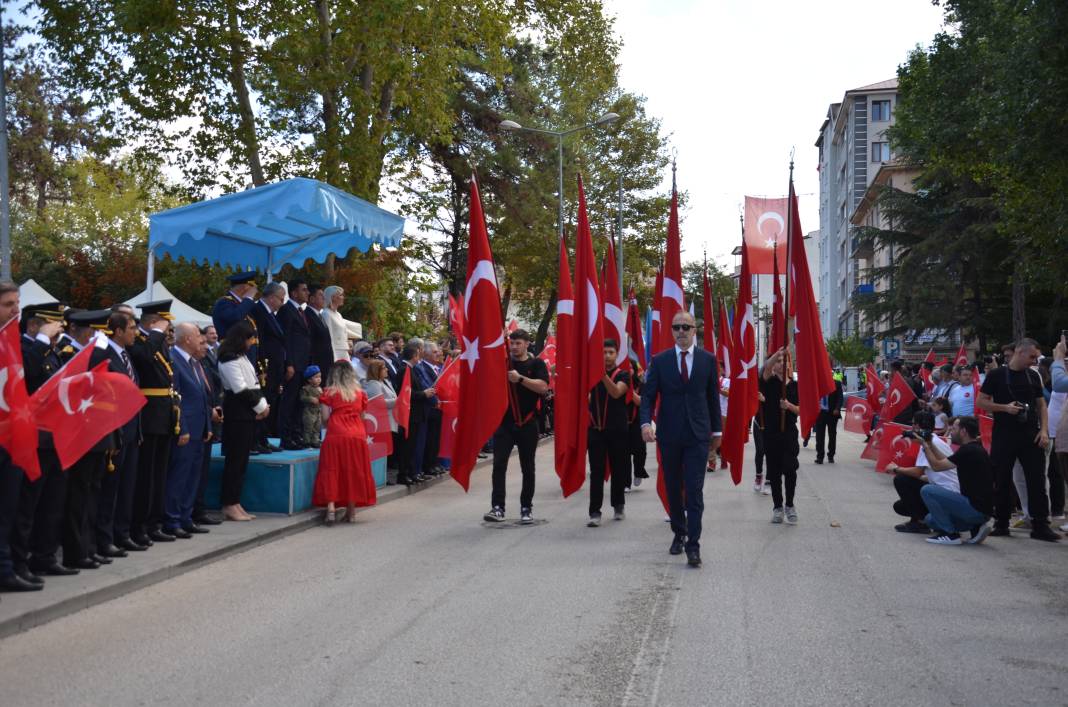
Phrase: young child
(344, 475)
(309, 399)
(940, 408)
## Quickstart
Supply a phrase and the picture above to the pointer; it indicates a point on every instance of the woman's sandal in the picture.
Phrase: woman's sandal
(328, 518)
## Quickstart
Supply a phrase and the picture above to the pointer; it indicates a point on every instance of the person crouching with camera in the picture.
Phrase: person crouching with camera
(909, 481)
(950, 512)
(1013, 393)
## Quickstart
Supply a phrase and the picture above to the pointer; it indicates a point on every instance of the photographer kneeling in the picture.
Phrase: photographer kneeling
(972, 507)
(909, 481)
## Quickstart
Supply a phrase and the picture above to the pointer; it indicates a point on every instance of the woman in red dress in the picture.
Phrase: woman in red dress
(345, 456)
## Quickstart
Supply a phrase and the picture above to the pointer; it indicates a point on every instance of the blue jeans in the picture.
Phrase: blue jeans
(949, 511)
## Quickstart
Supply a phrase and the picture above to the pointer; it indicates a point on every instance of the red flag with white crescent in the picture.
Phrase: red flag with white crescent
(614, 323)
(726, 344)
(764, 225)
(962, 357)
(858, 414)
(671, 299)
(899, 397)
(376, 425)
(484, 361)
(456, 316)
(635, 338)
(17, 425)
(742, 401)
(895, 448)
(564, 429)
(402, 409)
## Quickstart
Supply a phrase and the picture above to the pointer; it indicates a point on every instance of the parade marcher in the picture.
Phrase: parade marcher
(344, 476)
(194, 435)
(685, 381)
(322, 352)
(760, 482)
(779, 410)
(243, 405)
(636, 444)
(1013, 393)
(159, 421)
(298, 355)
(608, 446)
(270, 361)
(827, 423)
(528, 380)
(971, 507)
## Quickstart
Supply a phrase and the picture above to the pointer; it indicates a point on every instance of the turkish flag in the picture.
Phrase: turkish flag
(899, 397)
(925, 375)
(742, 401)
(513, 325)
(84, 407)
(376, 424)
(778, 314)
(858, 414)
(484, 361)
(548, 352)
(726, 345)
(708, 317)
(402, 409)
(764, 226)
(614, 323)
(456, 316)
(564, 427)
(634, 333)
(986, 431)
(447, 442)
(658, 294)
(895, 448)
(875, 386)
(587, 352)
(18, 430)
(871, 449)
(671, 300)
(962, 357)
(814, 379)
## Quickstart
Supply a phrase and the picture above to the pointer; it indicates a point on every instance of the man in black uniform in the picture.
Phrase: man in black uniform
(634, 428)
(270, 361)
(528, 380)
(298, 349)
(827, 423)
(609, 444)
(41, 325)
(781, 446)
(159, 422)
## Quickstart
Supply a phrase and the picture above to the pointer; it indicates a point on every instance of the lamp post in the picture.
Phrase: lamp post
(5, 221)
(605, 119)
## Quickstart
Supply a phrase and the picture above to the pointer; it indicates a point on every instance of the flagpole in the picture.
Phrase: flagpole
(786, 296)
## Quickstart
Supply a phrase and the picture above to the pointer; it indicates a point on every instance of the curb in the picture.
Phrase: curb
(301, 521)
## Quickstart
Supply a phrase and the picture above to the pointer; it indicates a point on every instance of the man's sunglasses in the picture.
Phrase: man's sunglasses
(682, 327)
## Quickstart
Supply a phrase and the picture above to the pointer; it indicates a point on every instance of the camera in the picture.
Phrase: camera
(922, 434)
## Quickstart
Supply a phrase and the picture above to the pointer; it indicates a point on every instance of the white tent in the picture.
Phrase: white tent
(32, 293)
(182, 312)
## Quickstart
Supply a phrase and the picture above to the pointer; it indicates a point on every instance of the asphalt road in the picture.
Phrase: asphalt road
(420, 603)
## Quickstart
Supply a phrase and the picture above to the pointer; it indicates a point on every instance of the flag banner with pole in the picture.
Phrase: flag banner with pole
(744, 384)
(764, 226)
(564, 428)
(16, 419)
(672, 300)
(709, 319)
(634, 333)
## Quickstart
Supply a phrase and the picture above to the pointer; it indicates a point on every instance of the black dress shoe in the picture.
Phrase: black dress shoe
(272, 448)
(112, 551)
(693, 558)
(819, 460)
(206, 520)
(180, 533)
(83, 564)
(1000, 532)
(142, 540)
(256, 451)
(13, 583)
(161, 536)
(29, 576)
(55, 570)
(195, 529)
(132, 545)
(830, 459)
(100, 559)
(676, 545)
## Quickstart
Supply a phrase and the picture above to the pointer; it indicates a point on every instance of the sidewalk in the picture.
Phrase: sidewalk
(63, 596)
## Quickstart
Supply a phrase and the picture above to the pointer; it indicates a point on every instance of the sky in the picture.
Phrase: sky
(739, 84)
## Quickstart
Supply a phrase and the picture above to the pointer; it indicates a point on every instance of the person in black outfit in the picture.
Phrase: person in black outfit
(270, 361)
(780, 435)
(298, 351)
(322, 350)
(952, 512)
(608, 443)
(528, 380)
(243, 405)
(409, 461)
(1013, 393)
(210, 362)
(634, 429)
(827, 423)
(159, 421)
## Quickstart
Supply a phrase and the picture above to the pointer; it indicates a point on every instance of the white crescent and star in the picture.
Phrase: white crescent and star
(4, 374)
(63, 391)
(771, 216)
(483, 270)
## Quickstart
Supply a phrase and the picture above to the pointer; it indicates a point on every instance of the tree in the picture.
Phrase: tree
(850, 351)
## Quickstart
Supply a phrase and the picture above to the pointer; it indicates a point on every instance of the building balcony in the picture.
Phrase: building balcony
(861, 248)
(864, 288)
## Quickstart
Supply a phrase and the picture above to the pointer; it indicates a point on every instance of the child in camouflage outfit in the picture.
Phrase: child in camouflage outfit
(312, 414)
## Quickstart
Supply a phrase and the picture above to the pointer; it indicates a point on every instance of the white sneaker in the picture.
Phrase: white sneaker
(759, 483)
(945, 540)
(637, 481)
(766, 491)
(1064, 528)
(595, 520)
(776, 515)
(791, 515)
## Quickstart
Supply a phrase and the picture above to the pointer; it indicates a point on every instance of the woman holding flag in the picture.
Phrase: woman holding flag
(779, 410)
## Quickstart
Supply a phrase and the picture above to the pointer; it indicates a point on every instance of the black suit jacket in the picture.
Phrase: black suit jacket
(322, 351)
(272, 347)
(152, 362)
(834, 400)
(298, 341)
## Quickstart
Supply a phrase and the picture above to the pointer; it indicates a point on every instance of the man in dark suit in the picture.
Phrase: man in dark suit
(187, 453)
(298, 345)
(210, 364)
(322, 350)
(271, 361)
(827, 423)
(685, 379)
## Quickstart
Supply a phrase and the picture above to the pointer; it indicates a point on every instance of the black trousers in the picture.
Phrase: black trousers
(268, 427)
(290, 417)
(10, 482)
(608, 447)
(199, 510)
(433, 439)
(1056, 484)
(684, 467)
(758, 444)
(46, 534)
(780, 452)
(910, 503)
(127, 467)
(826, 428)
(83, 489)
(638, 451)
(525, 438)
(239, 437)
(151, 483)
(1006, 447)
(45, 497)
(406, 470)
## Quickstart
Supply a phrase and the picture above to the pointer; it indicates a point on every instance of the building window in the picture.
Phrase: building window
(880, 111)
(880, 152)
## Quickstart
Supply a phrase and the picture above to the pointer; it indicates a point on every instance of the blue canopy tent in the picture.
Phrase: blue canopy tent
(271, 226)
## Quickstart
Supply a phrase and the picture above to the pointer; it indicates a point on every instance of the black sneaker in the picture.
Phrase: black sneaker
(525, 517)
(830, 459)
(1043, 532)
(496, 515)
(1000, 532)
(912, 527)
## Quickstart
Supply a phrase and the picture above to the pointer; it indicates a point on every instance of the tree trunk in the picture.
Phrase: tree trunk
(331, 166)
(546, 319)
(1019, 298)
(246, 131)
(506, 301)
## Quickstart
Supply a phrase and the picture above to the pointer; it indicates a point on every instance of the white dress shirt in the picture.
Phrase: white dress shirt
(238, 375)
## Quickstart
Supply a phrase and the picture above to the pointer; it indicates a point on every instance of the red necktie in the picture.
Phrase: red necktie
(200, 372)
(685, 371)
